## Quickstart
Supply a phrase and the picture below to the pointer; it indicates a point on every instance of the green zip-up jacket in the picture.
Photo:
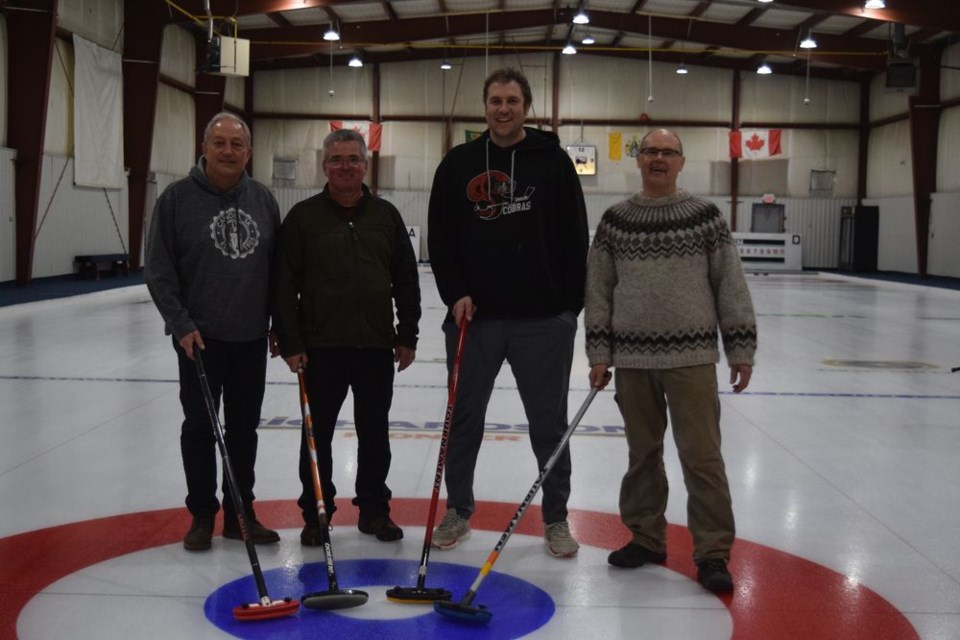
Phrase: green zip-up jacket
(339, 276)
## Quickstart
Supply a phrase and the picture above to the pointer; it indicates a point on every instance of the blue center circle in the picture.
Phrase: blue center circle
(518, 607)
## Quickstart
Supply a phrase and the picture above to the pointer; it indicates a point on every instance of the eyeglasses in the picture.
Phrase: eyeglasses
(653, 152)
(350, 161)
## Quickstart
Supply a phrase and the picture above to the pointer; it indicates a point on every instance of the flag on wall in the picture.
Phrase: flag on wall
(614, 150)
(472, 135)
(371, 131)
(754, 143)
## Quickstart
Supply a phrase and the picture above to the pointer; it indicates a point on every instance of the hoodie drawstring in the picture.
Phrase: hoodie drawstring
(513, 160)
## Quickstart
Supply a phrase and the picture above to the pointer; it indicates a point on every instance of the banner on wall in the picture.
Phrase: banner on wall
(614, 150)
(97, 116)
(371, 131)
(472, 135)
(751, 144)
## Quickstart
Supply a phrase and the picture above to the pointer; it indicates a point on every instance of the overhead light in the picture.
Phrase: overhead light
(588, 39)
(569, 50)
(764, 1)
(764, 69)
(581, 18)
(355, 61)
(446, 66)
(875, 4)
(682, 70)
(331, 35)
(808, 42)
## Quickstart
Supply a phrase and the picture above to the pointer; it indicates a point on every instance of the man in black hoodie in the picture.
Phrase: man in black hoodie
(208, 268)
(508, 244)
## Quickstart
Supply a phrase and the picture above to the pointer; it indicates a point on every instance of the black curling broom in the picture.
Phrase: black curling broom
(421, 594)
(266, 608)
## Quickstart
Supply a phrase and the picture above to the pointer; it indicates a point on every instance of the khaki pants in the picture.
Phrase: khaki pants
(690, 395)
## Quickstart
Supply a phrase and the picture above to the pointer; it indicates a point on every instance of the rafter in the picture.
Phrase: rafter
(919, 13)
(863, 53)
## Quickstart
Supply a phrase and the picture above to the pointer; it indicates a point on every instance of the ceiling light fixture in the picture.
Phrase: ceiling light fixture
(331, 35)
(764, 1)
(874, 4)
(682, 70)
(446, 66)
(588, 39)
(764, 69)
(355, 61)
(569, 50)
(808, 42)
(581, 18)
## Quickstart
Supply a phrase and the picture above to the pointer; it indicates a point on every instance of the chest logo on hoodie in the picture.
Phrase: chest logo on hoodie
(235, 233)
(493, 195)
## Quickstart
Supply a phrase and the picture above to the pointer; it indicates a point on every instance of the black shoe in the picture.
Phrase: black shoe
(713, 575)
(633, 555)
(310, 536)
(257, 532)
(199, 536)
(381, 526)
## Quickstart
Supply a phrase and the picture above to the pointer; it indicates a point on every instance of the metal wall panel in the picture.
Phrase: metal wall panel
(75, 220)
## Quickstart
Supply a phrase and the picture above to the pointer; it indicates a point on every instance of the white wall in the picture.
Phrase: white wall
(99, 21)
(944, 257)
(412, 150)
(75, 220)
(590, 87)
(890, 168)
(948, 141)
(897, 243)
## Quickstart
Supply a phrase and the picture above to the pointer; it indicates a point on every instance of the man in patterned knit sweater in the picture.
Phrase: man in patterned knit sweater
(663, 279)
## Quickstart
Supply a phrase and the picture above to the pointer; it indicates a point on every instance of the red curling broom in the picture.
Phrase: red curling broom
(421, 594)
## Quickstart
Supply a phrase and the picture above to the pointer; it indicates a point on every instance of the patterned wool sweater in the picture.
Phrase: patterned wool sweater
(663, 277)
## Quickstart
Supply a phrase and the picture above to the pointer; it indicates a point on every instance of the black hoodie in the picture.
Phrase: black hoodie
(508, 227)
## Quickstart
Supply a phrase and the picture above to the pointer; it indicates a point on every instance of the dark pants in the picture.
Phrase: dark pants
(540, 353)
(236, 371)
(330, 372)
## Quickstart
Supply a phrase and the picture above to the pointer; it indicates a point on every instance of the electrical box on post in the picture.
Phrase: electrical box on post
(227, 56)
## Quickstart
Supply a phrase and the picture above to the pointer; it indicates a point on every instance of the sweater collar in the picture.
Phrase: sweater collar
(663, 201)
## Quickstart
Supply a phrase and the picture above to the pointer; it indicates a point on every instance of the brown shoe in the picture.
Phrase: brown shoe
(310, 536)
(257, 532)
(380, 526)
(200, 534)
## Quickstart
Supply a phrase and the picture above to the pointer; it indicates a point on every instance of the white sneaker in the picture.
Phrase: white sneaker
(559, 541)
(451, 531)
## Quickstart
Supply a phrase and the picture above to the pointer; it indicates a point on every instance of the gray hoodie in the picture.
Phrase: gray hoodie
(209, 257)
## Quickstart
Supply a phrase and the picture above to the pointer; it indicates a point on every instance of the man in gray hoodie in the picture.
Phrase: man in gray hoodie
(210, 252)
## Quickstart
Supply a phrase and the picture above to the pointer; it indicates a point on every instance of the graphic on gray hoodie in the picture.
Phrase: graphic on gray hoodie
(209, 257)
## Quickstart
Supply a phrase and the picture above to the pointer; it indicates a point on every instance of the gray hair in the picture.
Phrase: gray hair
(671, 132)
(344, 135)
(226, 115)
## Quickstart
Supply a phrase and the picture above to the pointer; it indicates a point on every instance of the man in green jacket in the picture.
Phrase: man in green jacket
(345, 260)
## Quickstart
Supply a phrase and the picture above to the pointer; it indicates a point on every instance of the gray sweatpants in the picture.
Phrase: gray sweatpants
(540, 354)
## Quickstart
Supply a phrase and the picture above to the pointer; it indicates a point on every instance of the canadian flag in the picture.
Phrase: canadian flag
(754, 143)
(371, 131)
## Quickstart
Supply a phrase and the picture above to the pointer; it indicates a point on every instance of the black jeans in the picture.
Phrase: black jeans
(330, 372)
(236, 372)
